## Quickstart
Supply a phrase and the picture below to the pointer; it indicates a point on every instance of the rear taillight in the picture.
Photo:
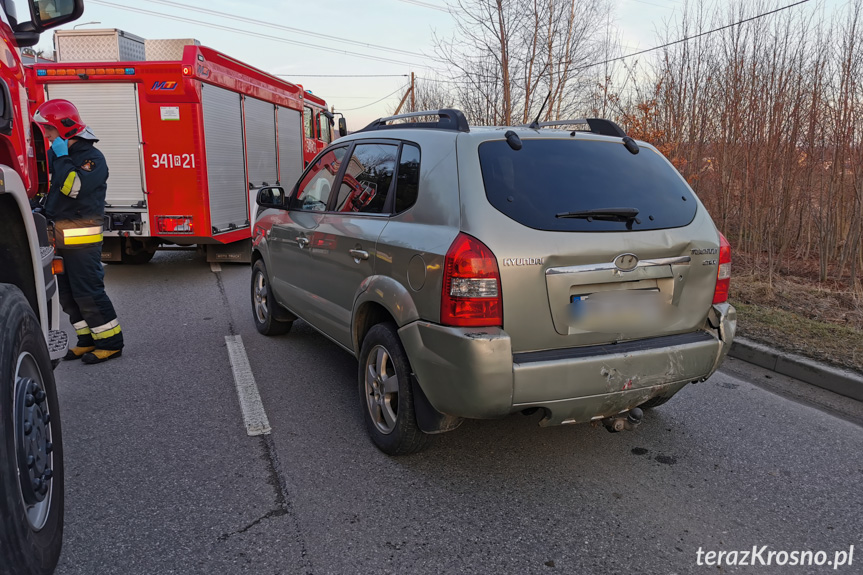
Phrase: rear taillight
(723, 273)
(471, 294)
(174, 224)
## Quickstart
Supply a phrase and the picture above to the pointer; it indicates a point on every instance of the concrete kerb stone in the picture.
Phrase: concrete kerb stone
(841, 381)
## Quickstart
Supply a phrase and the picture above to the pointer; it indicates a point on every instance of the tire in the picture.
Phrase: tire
(655, 402)
(31, 519)
(387, 405)
(263, 304)
(137, 259)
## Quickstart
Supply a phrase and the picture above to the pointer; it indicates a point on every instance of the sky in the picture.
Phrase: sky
(302, 40)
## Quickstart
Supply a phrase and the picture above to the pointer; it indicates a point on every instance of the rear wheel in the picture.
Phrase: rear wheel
(264, 305)
(386, 396)
(31, 455)
(141, 256)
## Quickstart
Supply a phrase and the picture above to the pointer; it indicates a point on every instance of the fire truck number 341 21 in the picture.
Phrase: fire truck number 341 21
(173, 161)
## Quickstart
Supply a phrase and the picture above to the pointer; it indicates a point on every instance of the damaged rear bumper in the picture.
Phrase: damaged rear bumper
(473, 372)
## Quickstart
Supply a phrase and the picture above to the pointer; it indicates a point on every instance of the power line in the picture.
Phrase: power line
(255, 34)
(652, 4)
(425, 5)
(212, 12)
(343, 75)
(687, 38)
(640, 52)
(376, 101)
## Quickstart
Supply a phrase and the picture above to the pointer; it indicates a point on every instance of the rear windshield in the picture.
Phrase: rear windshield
(550, 177)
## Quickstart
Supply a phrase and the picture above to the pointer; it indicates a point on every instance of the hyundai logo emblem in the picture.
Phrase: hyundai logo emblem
(626, 262)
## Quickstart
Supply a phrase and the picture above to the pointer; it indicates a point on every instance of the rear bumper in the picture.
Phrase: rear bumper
(473, 372)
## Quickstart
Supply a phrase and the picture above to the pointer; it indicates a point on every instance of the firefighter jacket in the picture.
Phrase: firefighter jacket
(78, 184)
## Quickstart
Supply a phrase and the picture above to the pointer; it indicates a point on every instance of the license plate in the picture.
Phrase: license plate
(615, 311)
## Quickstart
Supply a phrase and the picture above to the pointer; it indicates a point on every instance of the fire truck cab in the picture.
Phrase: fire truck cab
(188, 143)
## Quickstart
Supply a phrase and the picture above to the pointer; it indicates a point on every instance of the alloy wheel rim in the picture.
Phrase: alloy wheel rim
(33, 441)
(382, 389)
(260, 295)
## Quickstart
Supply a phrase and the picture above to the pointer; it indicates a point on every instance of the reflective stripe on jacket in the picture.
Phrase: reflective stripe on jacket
(70, 234)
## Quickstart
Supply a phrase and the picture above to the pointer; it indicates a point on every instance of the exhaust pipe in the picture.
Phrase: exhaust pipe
(624, 421)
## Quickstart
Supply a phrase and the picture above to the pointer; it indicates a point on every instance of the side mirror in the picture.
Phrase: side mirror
(272, 197)
(51, 13)
(343, 127)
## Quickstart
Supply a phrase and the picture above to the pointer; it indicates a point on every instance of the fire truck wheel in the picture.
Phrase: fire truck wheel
(31, 454)
(264, 305)
(140, 258)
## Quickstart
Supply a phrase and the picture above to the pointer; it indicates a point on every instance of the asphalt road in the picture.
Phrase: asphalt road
(162, 477)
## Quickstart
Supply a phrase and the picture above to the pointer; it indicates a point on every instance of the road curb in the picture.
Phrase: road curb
(841, 381)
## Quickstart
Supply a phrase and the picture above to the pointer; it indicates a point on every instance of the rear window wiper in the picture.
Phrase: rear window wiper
(606, 214)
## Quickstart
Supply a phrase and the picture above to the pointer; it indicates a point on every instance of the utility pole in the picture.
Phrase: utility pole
(409, 91)
(413, 97)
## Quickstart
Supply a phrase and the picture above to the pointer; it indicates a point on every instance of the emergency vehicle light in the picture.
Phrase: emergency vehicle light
(88, 71)
(174, 224)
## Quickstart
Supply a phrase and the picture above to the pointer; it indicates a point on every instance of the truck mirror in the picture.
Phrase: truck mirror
(343, 127)
(271, 197)
(50, 13)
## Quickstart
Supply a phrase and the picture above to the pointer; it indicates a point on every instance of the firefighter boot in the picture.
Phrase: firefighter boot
(78, 352)
(100, 355)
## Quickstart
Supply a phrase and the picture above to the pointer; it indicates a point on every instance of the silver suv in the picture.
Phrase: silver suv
(477, 272)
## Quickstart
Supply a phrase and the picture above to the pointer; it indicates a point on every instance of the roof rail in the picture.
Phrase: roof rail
(595, 125)
(450, 119)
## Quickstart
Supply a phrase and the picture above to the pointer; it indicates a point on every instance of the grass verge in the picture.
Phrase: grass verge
(839, 345)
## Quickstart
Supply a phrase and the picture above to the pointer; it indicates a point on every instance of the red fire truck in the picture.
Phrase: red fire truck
(188, 143)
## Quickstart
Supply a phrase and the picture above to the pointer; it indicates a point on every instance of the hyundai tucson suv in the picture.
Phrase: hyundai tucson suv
(476, 272)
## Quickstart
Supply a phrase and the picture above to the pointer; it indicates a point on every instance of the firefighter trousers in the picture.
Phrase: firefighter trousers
(83, 298)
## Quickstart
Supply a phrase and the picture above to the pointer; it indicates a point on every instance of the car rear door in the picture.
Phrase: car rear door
(344, 244)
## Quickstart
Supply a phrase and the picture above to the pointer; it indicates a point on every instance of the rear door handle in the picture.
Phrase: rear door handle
(302, 242)
(359, 254)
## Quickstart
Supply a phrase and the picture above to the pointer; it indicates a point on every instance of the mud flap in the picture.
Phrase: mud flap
(429, 419)
(237, 252)
(112, 249)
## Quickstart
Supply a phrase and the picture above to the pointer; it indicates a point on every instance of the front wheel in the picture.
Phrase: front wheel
(386, 396)
(264, 304)
(31, 454)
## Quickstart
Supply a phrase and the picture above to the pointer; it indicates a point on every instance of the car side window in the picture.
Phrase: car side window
(407, 184)
(368, 176)
(314, 189)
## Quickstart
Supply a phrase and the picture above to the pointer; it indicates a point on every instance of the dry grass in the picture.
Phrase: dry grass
(799, 315)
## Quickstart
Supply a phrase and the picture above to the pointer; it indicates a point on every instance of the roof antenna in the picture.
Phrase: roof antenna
(535, 124)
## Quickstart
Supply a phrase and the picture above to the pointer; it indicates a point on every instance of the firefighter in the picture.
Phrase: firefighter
(76, 206)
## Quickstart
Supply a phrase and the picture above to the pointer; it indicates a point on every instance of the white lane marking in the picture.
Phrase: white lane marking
(254, 415)
(215, 267)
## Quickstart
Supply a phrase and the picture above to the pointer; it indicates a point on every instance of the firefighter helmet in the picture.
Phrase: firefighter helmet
(62, 115)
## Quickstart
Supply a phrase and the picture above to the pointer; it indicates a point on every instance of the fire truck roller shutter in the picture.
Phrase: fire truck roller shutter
(111, 110)
(261, 142)
(290, 147)
(226, 167)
